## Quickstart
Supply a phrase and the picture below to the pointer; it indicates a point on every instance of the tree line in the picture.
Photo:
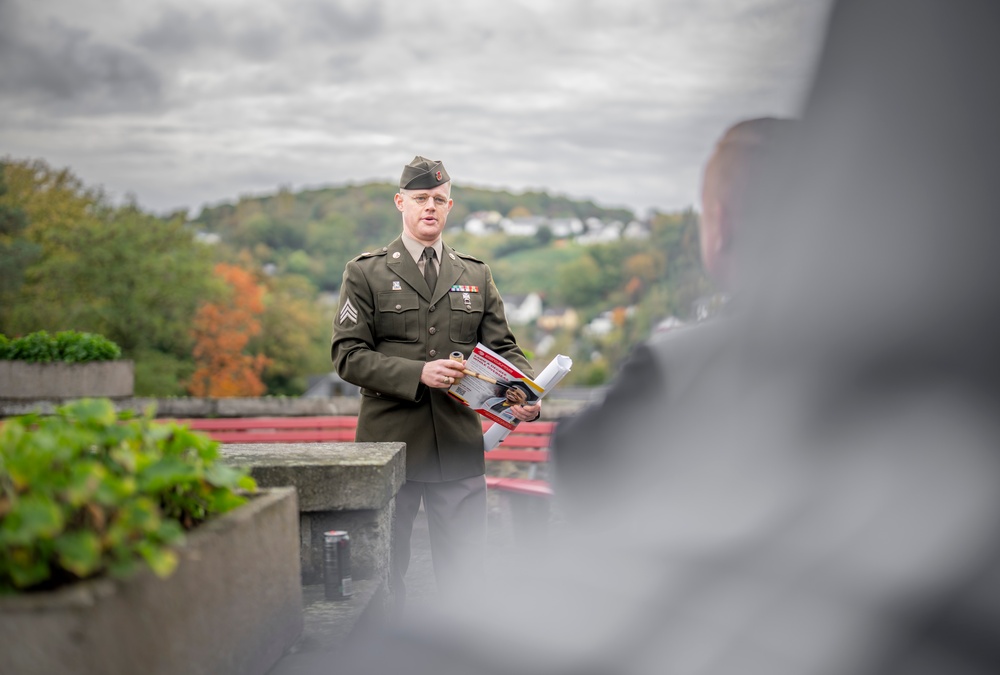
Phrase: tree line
(231, 302)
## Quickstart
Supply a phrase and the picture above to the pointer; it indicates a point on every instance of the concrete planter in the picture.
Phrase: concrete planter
(20, 380)
(233, 605)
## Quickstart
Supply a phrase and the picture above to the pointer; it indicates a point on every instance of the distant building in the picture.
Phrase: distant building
(606, 322)
(210, 238)
(600, 325)
(477, 227)
(522, 309)
(482, 223)
(328, 385)
(563, 228)
(589, 232)
(522, 226)
(558, 318)
(635, 231)
(599, 232)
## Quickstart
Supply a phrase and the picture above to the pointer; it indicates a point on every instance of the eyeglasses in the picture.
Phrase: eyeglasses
(422, 199)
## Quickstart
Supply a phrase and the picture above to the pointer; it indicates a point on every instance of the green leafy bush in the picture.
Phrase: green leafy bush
(87, 491)
(68, 346)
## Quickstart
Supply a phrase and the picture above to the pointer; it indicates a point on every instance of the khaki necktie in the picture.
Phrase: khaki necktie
(430, 274)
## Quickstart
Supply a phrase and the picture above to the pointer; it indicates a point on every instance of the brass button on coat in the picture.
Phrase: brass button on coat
(432, 330)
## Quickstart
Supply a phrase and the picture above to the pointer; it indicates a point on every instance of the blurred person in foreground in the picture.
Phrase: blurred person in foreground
(829, 501)
(404, 308)
(588, 456)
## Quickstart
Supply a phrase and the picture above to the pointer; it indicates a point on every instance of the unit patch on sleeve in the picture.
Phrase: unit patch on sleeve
(348, 312)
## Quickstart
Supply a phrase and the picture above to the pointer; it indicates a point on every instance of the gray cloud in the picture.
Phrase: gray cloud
(254, 33)
(616, 100)
(180, 33)
(67, 70)
(341, 21)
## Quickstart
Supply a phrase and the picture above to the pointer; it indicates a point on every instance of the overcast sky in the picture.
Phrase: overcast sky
(186, 103)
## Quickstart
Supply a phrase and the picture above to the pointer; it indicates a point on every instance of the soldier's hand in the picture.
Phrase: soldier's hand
(527, 413)
(442, 373)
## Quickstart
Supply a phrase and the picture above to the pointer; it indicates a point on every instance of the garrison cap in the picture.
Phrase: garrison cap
(423, 174)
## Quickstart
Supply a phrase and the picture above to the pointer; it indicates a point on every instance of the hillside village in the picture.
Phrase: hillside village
(538, 322)
(577, 278)
(585, 232)
(529, 309)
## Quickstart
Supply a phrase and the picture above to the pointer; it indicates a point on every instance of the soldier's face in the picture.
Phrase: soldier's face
(425, 212)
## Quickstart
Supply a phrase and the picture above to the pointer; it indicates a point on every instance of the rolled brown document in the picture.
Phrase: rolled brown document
(457, 356)
(487, 378)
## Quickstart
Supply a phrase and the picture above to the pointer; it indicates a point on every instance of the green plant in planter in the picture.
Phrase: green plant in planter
(88, 491)
(67, 346)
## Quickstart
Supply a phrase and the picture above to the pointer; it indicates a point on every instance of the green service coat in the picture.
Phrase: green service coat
(388, 324)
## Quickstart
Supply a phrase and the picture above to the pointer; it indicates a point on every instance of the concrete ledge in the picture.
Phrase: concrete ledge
(328, 476)
(232, 607)
(341, 486)
(23, 381)
(264, 406)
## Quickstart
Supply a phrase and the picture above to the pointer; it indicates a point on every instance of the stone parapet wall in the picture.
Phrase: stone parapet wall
(185, 406)
(265, 406)
(21, 381)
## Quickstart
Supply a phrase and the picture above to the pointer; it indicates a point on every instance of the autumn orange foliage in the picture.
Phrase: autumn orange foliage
(221, 333)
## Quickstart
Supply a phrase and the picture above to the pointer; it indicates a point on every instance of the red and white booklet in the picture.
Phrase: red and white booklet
(496, 387)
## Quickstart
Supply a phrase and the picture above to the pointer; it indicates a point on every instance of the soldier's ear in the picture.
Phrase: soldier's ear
(399, 201)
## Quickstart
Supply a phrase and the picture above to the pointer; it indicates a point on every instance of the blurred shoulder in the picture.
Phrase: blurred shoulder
(684, 341)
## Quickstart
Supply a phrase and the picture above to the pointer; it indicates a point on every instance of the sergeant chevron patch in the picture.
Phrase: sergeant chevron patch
(348, 312)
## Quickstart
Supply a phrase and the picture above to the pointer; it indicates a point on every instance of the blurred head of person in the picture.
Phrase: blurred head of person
(741, 154)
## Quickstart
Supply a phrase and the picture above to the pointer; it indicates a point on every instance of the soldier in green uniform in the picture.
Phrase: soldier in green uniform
(404, 308)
